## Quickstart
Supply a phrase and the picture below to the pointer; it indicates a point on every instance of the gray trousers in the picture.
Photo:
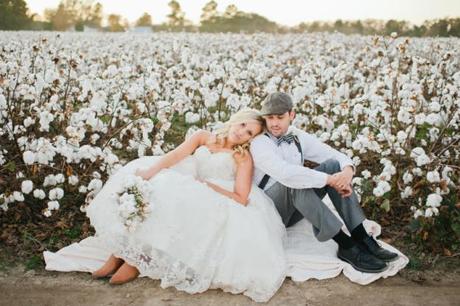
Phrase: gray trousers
(296, 204)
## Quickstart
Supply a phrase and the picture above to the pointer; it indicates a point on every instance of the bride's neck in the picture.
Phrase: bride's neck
(227, 144)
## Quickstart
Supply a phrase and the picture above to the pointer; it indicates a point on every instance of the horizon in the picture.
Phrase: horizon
(287, 13)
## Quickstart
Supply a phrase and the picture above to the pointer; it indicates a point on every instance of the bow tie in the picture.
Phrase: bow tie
(288, 138)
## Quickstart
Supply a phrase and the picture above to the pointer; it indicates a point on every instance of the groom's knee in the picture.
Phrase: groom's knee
(306, 198)
(329, 166)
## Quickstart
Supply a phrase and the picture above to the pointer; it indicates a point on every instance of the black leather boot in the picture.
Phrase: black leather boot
(361, 260)
(375, 249)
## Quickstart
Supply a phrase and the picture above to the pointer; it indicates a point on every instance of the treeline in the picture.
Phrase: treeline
(440, 27)
(79, 15)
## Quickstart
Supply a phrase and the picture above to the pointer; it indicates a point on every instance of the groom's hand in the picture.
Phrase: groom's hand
(344, 191)
(332, 181)
(343, 178)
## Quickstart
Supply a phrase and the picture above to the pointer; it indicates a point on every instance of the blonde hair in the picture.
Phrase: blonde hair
(244, 115)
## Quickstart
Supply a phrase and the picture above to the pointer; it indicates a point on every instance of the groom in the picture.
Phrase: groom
(297, 191)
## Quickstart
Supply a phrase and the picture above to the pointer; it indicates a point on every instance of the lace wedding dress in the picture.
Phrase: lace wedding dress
(196, 238)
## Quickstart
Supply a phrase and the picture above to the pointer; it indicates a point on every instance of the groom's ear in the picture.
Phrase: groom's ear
(291, 115)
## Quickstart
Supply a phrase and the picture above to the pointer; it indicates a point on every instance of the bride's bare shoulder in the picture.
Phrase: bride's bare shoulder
(202, 136)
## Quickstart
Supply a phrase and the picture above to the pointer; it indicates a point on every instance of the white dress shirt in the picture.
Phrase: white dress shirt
(284, 165)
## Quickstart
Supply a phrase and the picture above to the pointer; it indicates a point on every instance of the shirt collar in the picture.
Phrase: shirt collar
(291, 129)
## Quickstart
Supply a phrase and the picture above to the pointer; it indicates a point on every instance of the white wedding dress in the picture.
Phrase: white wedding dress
(196, 238)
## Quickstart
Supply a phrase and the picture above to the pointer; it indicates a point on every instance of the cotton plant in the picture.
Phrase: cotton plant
(74, 109)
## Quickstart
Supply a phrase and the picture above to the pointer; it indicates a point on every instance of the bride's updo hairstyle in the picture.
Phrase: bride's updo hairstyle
(244, 115)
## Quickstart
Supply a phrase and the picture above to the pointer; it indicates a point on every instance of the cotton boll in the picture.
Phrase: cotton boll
(418, 154)
(433, 200)
(98, 102)
(56, 194)
(39, 194)
(404, 116)
(50, 180)
(94, 138)
(418, 213)
(192, 118)
(45, 119)
(435, 107)
(59, 178)
(401, 136)
(406, 193)
(433, 177)
(423, 160)
(27, 186)
(28, 122)
(445, 174)
(95, 184)
(47, 213)
(73, 180)
(382, 188)
(54, 99)
(433, 119)
(18, 196)
(428, 213)
(111, 159)
(420, 118)
(53, 205)
(366, 174)
(407, 177)
(357, 181)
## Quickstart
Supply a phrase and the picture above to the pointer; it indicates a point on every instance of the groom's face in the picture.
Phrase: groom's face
(278, 124)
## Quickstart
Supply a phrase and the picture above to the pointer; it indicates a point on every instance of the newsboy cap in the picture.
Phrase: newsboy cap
(276, 103)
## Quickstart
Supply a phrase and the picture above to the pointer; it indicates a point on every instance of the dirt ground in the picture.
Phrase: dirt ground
(31, 288)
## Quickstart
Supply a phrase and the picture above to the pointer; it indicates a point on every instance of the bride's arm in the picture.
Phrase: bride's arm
(173, 157)
(243, 181)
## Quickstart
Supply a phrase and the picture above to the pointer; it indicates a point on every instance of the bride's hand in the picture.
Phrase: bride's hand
(143, 173)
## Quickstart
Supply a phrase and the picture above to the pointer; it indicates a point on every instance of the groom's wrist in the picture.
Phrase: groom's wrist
(348, 170)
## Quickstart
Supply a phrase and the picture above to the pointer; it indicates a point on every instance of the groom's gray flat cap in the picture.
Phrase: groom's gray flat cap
(276, 103)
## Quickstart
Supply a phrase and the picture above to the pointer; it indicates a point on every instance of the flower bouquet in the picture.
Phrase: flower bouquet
(133, 199)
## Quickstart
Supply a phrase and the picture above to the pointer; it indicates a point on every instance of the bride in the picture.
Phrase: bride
(208, 228)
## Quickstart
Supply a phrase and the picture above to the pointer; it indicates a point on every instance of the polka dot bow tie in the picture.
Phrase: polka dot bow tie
(289, 138)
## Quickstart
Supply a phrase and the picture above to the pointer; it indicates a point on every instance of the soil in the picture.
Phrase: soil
(410, 287)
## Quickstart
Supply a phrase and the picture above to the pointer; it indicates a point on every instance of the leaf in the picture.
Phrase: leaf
(456, 228)
(443, 184)
(34, 169)
(105, 118)
(386, 205)
(69, 171)
(447, 252)
(11, 166)
(425, 235)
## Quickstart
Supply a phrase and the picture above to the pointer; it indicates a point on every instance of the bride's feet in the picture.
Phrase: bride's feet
(124, 274)
(110, 266)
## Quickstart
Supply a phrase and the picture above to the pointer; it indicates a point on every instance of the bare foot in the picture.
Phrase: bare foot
(124, 274)
(110, 266)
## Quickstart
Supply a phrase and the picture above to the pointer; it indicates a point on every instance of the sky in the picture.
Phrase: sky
(285, 12)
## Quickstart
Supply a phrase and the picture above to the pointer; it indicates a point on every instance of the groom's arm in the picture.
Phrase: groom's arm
(317, 151)
(266, 158)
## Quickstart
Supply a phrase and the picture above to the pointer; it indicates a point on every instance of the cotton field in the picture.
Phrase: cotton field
(76, 107)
